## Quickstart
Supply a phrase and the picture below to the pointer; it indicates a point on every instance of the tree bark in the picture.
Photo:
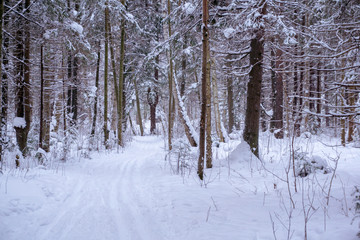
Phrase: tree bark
(205, 43)
(230, 97)
(208, 110)
(216, 106)
(1, 84)
(278, 110)
(138, 109)
(251, 131)
(93, 128)
(171, 97)
(22, 52)
(106, 132)
(121, 80)
(41, 131)
(153, 99)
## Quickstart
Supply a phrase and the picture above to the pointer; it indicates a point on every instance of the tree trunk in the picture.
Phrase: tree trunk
(208, 111)
(121, 80)
(138, 109)
(153, 99)
(21, 52)
(205, 43)
(296, 104)
(216, 106)
(278, 110)
(251, 131)
(41, 131)
(1, 84)
(93, 128)
(116, 116)
(171, 97)
(106, 132)
(230, 97)
(318, 94)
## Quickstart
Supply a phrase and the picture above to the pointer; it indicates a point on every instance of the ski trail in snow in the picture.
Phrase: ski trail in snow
(107, 200)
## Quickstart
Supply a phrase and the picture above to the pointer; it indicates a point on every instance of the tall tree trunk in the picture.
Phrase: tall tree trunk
(1, 84)
(138, 109)
(208, 110)
(22, 73)
(73, 61)
(278, 110)
(121, 80)
(273, 87)
(296, 104)
(153, 99)
(106, 68)
(205, 43)
(230, 95)
(171, 97)
(41, 131)
(251, 131)
(93, 128)
(318, 94)
(49, 78)
(216, 105)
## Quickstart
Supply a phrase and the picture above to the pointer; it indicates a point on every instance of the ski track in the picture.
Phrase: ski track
(110, 193)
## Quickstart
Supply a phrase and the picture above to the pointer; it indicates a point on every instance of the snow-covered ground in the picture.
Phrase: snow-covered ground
(135, 194)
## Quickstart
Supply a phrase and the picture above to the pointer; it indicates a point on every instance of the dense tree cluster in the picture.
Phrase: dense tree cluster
(91, 73)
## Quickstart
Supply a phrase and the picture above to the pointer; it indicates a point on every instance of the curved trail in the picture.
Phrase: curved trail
(109, 198)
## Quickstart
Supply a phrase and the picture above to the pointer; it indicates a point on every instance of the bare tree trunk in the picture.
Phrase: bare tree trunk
(205, 42)
(21, 52)
(318, 94)
(1, 84)
(251, 131)
(117, 116)
(295, 102)
(138, 109)
(171, 97)
(208, 111)
(41, 131)
(73, 62)
(216, 106)
(153, 99)
(121, 80)
(93, 128)
(230, 97)
(106, 132)
(278, 110)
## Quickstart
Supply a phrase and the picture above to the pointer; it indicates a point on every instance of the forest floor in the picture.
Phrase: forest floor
(135, 194)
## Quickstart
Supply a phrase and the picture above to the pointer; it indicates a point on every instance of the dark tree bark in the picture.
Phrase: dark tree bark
(278, 110)
(22, 72)
(97, 91)
(153, 99)
(251, 131)
(41, 131)
(106, 131)
(73, 62)
(1, 103)
(296, 109)
(205, 43)
(121, 81)
(230, 96)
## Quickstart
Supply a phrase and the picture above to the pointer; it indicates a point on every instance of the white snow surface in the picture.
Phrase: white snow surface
(189, 8)
(77, 27)
(133, 195)
(229, 32)
(19, 122)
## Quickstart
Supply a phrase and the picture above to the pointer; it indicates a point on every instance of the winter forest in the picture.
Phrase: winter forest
(180, 119)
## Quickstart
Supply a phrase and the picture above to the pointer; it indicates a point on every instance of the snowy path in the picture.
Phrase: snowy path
(104, 200)
(133, 195)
